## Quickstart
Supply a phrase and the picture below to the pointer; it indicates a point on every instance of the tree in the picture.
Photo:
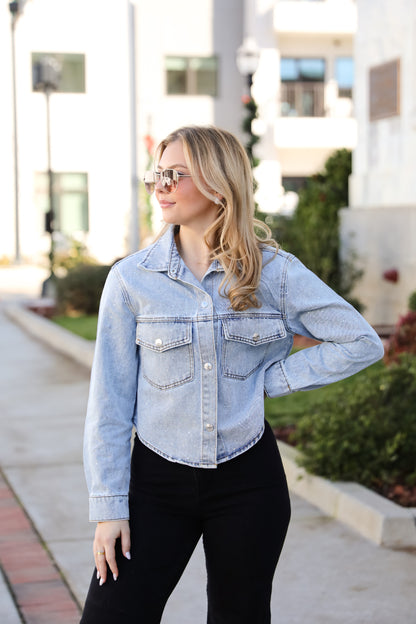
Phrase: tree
(312, 234)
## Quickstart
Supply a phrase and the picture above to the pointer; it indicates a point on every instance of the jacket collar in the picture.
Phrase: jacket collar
(163, 256)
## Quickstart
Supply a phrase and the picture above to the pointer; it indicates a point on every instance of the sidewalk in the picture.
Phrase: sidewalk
(327, 574)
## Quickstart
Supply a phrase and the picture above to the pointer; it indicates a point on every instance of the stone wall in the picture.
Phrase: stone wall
(382, 239)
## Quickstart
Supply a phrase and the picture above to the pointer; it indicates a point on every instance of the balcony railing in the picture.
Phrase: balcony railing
(303, 99)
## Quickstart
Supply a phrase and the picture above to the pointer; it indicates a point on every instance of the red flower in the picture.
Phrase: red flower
(246, 99)
(149, 143)
(403, 339)
(392, 275)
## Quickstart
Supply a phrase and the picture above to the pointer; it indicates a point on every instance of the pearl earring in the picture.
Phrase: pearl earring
(217, 201)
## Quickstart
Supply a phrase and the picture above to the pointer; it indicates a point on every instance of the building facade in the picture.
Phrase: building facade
(132, 71)
(380, 225)
(304, 88)
(89, 121)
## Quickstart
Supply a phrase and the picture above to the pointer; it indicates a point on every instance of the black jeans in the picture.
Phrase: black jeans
(242, 510)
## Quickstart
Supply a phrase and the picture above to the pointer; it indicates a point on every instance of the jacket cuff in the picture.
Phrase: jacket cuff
(275, 381)
(104, 508)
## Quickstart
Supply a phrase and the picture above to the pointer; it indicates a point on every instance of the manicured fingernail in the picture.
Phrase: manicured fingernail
(115, 577)
(101, 582)
(127, 555)
(98, 575)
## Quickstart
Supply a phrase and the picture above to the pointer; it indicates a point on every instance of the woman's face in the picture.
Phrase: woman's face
(186, 206)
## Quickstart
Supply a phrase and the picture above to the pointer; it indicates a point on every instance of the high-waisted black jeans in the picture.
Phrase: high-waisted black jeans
(241, 509)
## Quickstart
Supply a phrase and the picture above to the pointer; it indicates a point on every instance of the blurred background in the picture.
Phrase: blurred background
(89, 87)
(323, 95)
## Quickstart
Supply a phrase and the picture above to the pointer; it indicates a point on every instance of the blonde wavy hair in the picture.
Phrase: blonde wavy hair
(220, 168)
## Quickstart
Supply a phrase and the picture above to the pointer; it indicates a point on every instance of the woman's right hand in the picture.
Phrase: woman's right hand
(106, 535)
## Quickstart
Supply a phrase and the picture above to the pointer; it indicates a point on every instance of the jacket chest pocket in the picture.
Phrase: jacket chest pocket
(166, 358)
(246, 342)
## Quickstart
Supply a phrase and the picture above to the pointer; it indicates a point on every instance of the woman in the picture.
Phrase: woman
(193, 332)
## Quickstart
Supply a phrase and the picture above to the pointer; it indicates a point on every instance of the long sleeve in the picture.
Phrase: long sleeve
(111, 405)
(312, 309)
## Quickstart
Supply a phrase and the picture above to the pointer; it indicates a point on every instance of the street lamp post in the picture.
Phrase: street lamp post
(15, 12)
(134, 238)
(248, 57)
(46, 76)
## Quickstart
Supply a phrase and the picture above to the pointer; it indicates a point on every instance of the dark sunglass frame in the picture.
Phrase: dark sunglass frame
(169, 179)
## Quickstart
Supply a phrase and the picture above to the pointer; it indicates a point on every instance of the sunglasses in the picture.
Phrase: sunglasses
(169, 178)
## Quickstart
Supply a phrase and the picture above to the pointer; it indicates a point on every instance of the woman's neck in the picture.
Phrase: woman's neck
(194, 251)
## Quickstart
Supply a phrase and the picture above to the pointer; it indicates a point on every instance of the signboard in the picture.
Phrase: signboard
(385, 90)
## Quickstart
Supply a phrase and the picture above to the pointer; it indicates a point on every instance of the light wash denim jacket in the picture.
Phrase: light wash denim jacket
(174, 360)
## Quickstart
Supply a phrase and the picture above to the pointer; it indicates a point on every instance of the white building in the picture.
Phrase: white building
(381, 222)
(133, 69)
(304, 87)
(183, 71)
(89, 125)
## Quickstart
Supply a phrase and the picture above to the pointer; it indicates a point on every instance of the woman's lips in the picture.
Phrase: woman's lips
(165, 204)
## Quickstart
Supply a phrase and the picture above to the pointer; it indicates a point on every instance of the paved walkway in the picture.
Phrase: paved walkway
(327, 574)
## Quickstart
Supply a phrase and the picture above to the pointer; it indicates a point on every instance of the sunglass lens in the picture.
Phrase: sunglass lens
(169, 179)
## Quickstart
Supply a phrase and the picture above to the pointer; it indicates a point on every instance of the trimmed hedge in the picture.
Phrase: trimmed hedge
(80, 290)
(368, 435)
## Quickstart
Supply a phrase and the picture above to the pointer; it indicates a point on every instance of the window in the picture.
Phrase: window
(344, 74)
(302, 69)
(302, 88)
(191, 75)
(294, 183)
(70, 200)
(72, 78)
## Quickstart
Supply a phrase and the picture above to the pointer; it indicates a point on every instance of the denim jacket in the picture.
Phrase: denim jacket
(176, 362)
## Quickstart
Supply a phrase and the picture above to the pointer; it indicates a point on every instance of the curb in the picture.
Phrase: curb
(383, 522)
(378, 519)
(59, 338)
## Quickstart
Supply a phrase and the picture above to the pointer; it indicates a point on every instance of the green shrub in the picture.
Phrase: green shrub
(312, 234)
(80, 290)
(368, 435)
(412, 301)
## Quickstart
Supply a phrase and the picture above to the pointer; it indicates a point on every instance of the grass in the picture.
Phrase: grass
(84, 326)
(287, 410)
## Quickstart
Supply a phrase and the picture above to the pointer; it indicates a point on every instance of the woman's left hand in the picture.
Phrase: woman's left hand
(106, 535)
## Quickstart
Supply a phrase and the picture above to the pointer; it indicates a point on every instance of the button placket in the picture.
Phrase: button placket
(206, 339)
(206, 335)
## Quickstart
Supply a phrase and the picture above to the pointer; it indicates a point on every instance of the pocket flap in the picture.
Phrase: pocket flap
(163, 336)
(253, 331)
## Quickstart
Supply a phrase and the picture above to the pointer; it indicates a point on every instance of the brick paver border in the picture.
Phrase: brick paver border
(36, 585)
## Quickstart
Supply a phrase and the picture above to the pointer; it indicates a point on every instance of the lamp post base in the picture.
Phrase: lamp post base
(49, 287)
